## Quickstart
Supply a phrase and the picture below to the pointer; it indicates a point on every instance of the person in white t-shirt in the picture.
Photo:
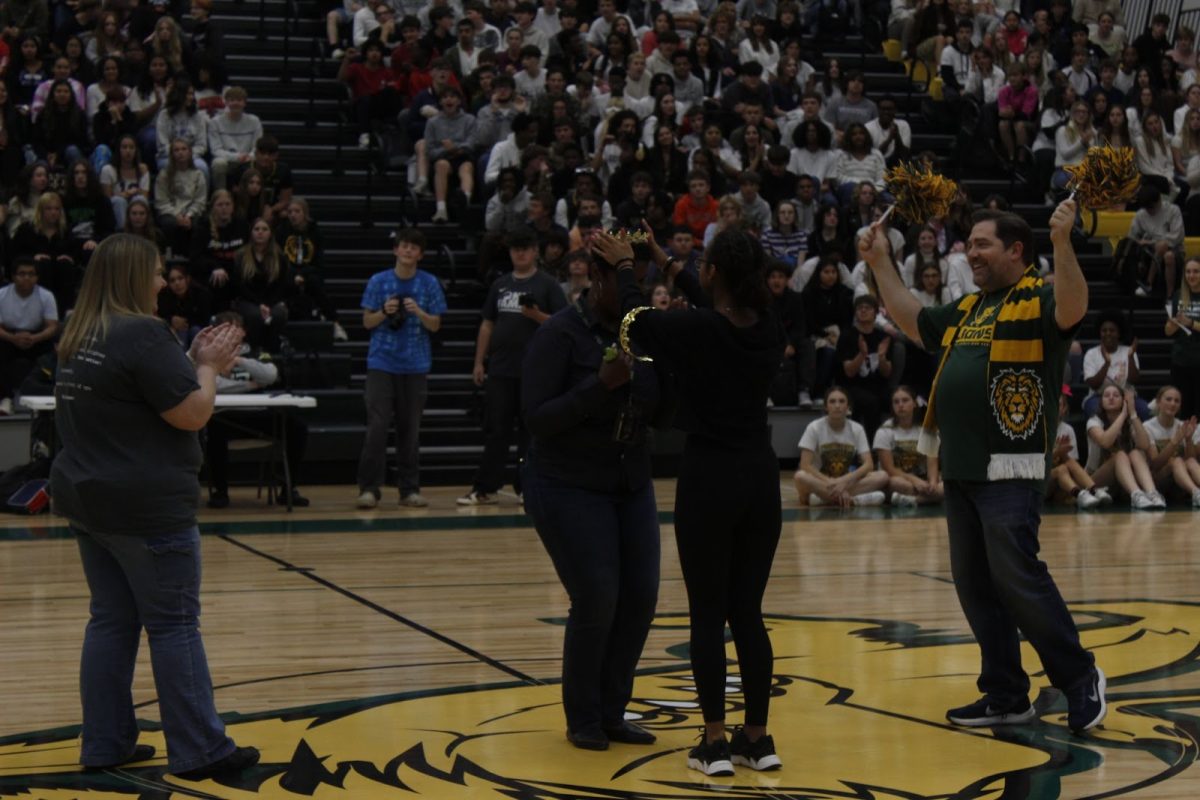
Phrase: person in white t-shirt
(836, 467)
(1117, 447)
(1172, 440)
(1069, 481)
(912, 477)
(28, 325)
(1111, 361)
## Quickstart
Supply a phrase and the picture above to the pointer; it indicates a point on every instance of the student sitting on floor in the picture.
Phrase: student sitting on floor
(249, 374)
(912, 477)
(835, 460)
(1171, 439)
(1117, 445)
(1069, 481)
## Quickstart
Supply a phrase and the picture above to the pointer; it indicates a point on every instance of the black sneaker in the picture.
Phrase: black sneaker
(240, 759)
(141, 752)
(1085, 703)
(711, 758)
(759, 754)
(989, 711)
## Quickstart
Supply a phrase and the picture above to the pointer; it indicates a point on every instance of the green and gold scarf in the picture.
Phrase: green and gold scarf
(1018, 434)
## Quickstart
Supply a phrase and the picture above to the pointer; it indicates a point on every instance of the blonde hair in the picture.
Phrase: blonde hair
(272, 260)
(1073, 131)
(120, 281)
(45, 199)
(219, 194)
(173, 52)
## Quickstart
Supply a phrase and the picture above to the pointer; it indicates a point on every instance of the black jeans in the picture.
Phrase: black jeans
(390, 396)
(727, 523)
(16, 363)
(502, 410)
(605, 549)
(1005, 590)
(228, 425)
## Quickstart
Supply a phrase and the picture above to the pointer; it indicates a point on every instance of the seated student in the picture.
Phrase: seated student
(1117, 445)
(248, 374)
(755, 210)
(1170, 440)
(449, 137)
(125, 178)
(1069, 481)
(793, 383)
(214, 246)
(181, 120)
(579, 263)
(180, 196)
(864, 352)
(785, 239)
(698, 208)
(89, 213)
(263, 287)
(184, 304)
(139, 220)
(835, 460)
(28, 325)
(231, 136)
(303, 247)
(45, 240)
(1111, 362)
(913, 478)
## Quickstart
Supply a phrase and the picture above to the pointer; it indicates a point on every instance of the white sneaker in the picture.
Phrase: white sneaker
(901, 499)
(815, 500)
(413, 500)
(1141, 501)
(339, 333)
(338, 54)
(1196, 499)
(1086, 499)
(1101, 494)
(441, 215)
(364, 141)
(474, 498)
(421, 186)
(870, 499)
(806, 400)
(6, 407)
(1159, 501)
(367, 500)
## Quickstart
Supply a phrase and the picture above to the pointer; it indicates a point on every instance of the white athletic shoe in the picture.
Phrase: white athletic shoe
(367, 500)
(899, 499)
(1140, 501)
(1196, 499)
(870, 499)
(339, 333)
(815, 500)
(364, 141)
(1159, 501)
(474, 498)
(806, 400)
(1085, 500)
(1101, 494)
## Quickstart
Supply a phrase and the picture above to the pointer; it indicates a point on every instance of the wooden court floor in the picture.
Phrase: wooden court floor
(400, 654)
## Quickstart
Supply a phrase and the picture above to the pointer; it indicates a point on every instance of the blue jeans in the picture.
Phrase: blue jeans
(1006, 591)
(153, 583)
(605, 549)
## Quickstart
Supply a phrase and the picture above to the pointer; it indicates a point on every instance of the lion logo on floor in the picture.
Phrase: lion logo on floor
(857, 711)
(1016, 397)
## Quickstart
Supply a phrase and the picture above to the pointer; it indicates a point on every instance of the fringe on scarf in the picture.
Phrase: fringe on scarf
(1018, 466)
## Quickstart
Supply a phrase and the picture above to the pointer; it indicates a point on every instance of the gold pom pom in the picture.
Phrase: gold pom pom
(921, 194)
(623, 336)
(1107, 176)
(630, 235)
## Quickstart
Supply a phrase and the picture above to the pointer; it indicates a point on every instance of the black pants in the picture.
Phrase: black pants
(727, 523)
(502, 411)
(245, 424)
(16, 363)
(382, 106)
(1187, 381)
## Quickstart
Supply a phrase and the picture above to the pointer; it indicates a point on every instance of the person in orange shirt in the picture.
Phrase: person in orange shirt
(698, 207)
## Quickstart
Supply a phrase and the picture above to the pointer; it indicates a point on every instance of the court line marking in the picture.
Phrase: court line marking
(312, 576)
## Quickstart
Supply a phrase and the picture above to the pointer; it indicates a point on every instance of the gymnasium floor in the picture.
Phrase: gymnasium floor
(401, 654)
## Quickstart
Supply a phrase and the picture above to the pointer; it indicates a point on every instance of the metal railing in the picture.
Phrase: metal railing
(447, 255)
(314, 67)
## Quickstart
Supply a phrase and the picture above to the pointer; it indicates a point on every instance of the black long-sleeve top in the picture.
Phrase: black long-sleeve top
(723, 372)
(789, 307)
(571, 415)
(195, 306)
(825, 307)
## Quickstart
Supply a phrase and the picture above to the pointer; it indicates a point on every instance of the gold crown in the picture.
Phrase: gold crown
(630, 235)
(623, 335)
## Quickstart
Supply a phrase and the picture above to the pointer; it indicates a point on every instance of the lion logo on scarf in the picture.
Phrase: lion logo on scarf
(1016, 397)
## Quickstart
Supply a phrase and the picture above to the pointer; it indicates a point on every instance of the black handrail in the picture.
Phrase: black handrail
(289, 14)
(367, 222)
(343, 111)
(314, 61)
(406, 194)
(262, 20)
(445, 252)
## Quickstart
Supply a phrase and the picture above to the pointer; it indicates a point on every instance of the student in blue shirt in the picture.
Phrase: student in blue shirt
(401, 308)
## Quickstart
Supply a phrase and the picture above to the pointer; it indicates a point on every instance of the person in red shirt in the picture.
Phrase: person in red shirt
(378, 91)
(410, 40)
(698, 207)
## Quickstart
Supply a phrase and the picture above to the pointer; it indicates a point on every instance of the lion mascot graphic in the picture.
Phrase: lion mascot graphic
(1017, 402)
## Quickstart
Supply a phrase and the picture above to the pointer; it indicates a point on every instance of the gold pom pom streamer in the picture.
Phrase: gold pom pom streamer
(1107, 176)
(630, 235)
(921, 194)
(623, 335)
